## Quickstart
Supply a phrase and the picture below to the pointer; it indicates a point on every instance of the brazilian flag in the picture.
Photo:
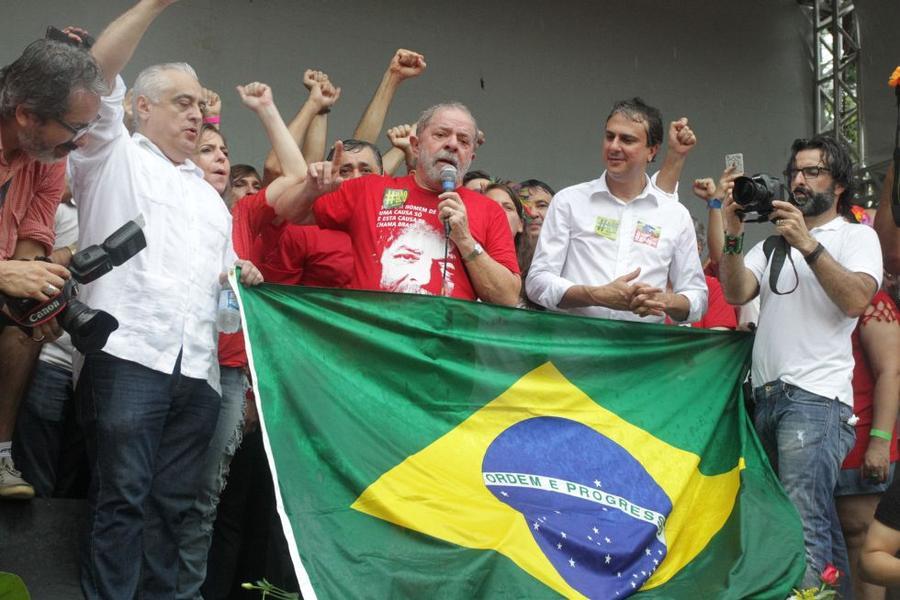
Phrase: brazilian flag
(434, 448)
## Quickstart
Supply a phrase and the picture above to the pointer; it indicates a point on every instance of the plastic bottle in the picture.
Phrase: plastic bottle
(228, 319)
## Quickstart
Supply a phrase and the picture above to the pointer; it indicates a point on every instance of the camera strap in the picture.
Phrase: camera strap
(777, 250)
(28, 313)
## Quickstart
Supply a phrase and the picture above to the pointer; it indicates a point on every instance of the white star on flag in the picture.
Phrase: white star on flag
(537, 526)
(571, 562)
(597, 483)
(647, 551)
(608, 541)
(633, 584)
(608, 559)
(563, 535)
(505, 494)
(596, 530)
(559, 546)
(655, 562)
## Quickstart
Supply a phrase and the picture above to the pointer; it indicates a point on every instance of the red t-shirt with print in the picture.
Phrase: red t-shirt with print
(399, 241)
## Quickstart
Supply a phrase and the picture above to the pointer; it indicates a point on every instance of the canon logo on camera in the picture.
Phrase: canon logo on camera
(47, 310)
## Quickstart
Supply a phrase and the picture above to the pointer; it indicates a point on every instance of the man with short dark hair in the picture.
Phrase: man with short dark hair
(608, 247)
(49, 99)
(400, 240)
(802, 358)
(359, 158)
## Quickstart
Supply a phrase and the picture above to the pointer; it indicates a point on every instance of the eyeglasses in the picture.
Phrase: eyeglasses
(808, 172)
(78, 132)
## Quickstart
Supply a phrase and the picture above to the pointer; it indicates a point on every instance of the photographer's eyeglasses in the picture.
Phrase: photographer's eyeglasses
(78, 132)
(808, 172)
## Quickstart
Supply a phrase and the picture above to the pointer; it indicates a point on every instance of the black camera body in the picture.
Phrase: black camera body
(755, 195)
(89, 328)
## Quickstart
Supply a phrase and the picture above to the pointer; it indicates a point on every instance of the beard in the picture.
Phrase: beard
(35, 147)
(432, 168)
(812, 204)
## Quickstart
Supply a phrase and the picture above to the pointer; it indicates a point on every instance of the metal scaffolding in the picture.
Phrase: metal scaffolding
(837, 73)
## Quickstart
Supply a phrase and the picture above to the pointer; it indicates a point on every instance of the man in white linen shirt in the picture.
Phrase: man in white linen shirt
(149, 402)
(609, 246)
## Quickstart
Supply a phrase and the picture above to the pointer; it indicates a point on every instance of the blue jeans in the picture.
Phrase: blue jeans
(147, 433)
(40, 426)
(197, 528)
(806, 437)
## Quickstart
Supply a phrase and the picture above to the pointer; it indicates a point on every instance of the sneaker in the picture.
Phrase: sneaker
(12, 486)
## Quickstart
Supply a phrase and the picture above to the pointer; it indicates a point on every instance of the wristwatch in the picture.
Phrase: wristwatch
(477, 251)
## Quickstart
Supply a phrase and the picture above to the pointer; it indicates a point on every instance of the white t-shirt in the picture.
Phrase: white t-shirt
(803, 337)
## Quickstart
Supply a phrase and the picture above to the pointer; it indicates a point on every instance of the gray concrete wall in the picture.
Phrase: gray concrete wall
(539, 76)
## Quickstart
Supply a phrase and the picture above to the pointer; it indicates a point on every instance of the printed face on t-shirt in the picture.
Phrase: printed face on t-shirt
(413, 259)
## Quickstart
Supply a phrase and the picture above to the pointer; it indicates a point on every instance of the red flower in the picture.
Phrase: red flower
(830, 575)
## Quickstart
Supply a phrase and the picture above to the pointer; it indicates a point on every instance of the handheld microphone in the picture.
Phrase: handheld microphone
(448, 184)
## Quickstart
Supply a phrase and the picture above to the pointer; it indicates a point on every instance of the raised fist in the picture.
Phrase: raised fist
(312, 76)
(255, 95)
(399, 136)
(212, 102)
(406, 64)
(681, 138)
(705, 188)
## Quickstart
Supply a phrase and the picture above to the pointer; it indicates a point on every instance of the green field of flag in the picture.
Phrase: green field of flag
(434, 448)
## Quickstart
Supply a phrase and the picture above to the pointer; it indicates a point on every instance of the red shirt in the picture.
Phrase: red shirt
(308, 255)
(29, 209)
(399, 241)
(864, 382)
(718, 312)
(251, 219)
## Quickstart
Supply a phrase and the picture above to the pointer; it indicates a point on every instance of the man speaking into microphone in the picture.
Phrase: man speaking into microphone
(422, 233)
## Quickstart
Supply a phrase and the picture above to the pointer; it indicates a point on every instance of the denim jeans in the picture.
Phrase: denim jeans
(197, 528)
(806, 437)
(147, 433)
(40, 426)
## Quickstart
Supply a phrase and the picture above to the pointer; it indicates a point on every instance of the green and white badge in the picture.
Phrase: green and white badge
(394, 198)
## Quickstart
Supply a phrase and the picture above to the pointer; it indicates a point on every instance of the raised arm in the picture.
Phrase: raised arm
(738, 282)
(401, 150)
(258, 98)
(713, 194)
(681, 141)
(295, 204)
(405, 64)
(117, 43)
(308, 127)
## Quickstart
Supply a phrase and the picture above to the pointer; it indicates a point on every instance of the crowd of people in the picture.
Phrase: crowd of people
(150, 424)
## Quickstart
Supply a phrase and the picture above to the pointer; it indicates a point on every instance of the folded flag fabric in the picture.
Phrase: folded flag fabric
(434, 448)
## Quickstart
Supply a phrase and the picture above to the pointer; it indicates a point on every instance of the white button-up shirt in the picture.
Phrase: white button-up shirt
(165, 297)
(803, 337)
(590, 237)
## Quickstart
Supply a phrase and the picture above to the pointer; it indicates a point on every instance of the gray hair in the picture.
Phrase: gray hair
(429, 113)
(152, 80)
(44, 77)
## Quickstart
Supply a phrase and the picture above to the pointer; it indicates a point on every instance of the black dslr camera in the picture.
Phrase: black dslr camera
(89, 328)
(755, 195)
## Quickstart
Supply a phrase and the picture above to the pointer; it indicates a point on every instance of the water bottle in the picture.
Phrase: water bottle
(228, 320)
